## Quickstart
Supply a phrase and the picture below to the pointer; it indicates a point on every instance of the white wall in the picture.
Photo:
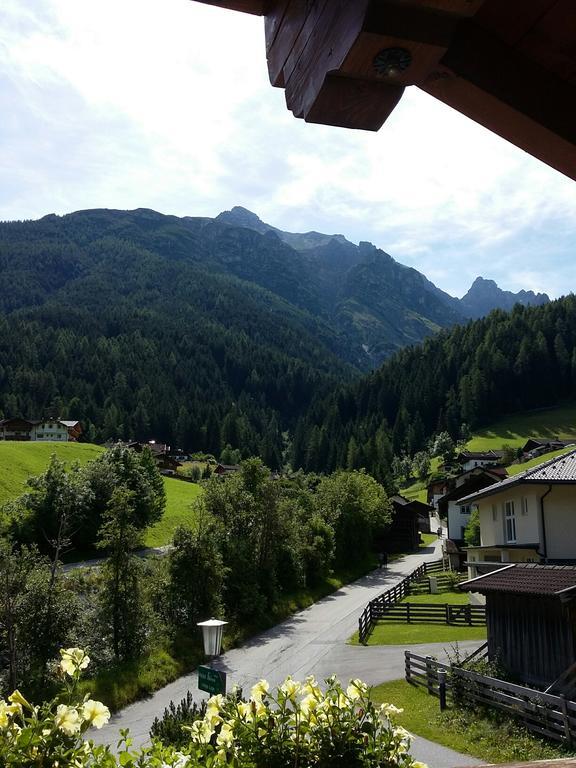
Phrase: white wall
(492, 515)
(560, 522)
(456, 521)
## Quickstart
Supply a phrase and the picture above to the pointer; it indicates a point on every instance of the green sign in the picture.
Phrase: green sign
(211, 680)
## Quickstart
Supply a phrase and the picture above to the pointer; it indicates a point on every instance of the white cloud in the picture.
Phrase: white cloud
(167, 105)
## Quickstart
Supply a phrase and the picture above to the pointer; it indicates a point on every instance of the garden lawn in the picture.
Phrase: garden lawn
(465, 731)
(179, 498)
(392, 633)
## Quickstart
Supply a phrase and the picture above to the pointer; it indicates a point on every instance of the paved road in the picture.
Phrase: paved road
(310, 642)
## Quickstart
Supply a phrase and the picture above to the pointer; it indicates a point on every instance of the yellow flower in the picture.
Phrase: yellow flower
(260, 690)
(95, 713)
(201, 731)
(73, 659)
(418, 764)
(308, 704)
(311, 687)
(67, 719)
(245, 711)
(290, 688)
(356, 689)
(19, 700)
(226, 736)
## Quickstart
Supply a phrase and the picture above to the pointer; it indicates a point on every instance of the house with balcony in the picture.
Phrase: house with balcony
(472, 459)
(529, 517)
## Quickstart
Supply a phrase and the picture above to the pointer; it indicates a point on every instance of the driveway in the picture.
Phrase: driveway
(312, 641)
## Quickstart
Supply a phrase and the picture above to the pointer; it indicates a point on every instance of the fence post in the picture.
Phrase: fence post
(469, 614)
(442, 688)
(564, 708)
(407, 613)
(407, 667)
(447, 609)
(429, 684)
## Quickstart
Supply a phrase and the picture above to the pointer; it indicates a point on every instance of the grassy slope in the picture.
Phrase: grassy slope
(179, 498)
(516, 429)
(19, 461)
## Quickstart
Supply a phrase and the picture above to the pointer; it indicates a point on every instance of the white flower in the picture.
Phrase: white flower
(356, 689)
(73, 659)
(96, 713)
(67, 719)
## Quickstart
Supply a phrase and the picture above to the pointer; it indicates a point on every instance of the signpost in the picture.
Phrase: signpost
(211, 680)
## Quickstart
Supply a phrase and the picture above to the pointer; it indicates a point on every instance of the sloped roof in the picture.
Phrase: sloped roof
(560, 470)
(481, 455)
(526, 579)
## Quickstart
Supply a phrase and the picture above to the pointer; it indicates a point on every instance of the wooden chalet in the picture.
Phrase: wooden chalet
(15, 428)
(531, 620)
(224, 470)
(510, 65)
(403, 535)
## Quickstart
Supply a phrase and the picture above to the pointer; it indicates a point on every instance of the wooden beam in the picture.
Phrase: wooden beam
(349, 102)
(513, 78)
(256, 7)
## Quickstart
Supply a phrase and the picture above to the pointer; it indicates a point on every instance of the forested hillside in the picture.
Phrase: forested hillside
(468, 376)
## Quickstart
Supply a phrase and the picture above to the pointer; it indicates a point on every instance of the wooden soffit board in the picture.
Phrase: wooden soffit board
(507, 64)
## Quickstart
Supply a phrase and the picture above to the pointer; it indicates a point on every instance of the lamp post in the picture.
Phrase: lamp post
(212, 631)
(209, 679)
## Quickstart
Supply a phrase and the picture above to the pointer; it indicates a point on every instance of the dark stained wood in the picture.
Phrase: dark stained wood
(552, 42)
(508, 64)
(511, 19)
(532, 636)
(257, 7)
(352, 103)
(287, 20)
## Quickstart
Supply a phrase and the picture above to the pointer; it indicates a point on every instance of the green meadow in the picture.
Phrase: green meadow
(21, 460)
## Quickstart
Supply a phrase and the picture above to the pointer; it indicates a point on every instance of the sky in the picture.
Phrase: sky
(166, 104)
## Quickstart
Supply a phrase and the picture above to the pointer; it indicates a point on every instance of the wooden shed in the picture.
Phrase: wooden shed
(531, 619)
(403, 535)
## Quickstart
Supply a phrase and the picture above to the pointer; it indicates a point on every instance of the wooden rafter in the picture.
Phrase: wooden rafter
(508, 64)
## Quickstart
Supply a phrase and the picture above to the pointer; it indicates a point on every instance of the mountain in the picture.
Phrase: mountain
(484, 296)
(204, 333)
(376, 304)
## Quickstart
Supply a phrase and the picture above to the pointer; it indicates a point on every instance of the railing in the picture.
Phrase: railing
(542, 713)
(369, 615)
(439, 613)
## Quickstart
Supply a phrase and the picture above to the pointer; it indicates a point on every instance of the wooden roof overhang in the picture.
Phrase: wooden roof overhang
(507, 64)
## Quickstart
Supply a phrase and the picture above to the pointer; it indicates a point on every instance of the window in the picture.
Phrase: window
(524, 505)
(465, 509)
(510, 522)
(494, 512)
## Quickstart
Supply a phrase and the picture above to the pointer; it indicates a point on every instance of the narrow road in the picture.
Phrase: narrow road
(310, 642)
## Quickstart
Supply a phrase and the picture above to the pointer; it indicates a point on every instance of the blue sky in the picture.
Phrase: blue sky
(166, 104)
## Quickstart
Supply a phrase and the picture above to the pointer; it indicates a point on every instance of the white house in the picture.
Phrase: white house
(49, 429)
(472, 459)
(529, 517)
(451, 505)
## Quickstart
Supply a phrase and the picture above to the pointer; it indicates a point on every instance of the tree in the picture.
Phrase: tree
(443, 446)
(196, 573)
(472, 530)
(421, 465)
(358, 509)
(123, 602)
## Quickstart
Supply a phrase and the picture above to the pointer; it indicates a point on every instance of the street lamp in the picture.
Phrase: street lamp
(212, 631)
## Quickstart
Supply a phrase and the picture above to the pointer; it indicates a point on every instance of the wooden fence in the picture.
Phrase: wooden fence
(371, 613)
(439, 613)
(542, 713)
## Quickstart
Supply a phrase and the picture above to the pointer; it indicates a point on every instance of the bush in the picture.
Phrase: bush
(301, 727)
(169, 729)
